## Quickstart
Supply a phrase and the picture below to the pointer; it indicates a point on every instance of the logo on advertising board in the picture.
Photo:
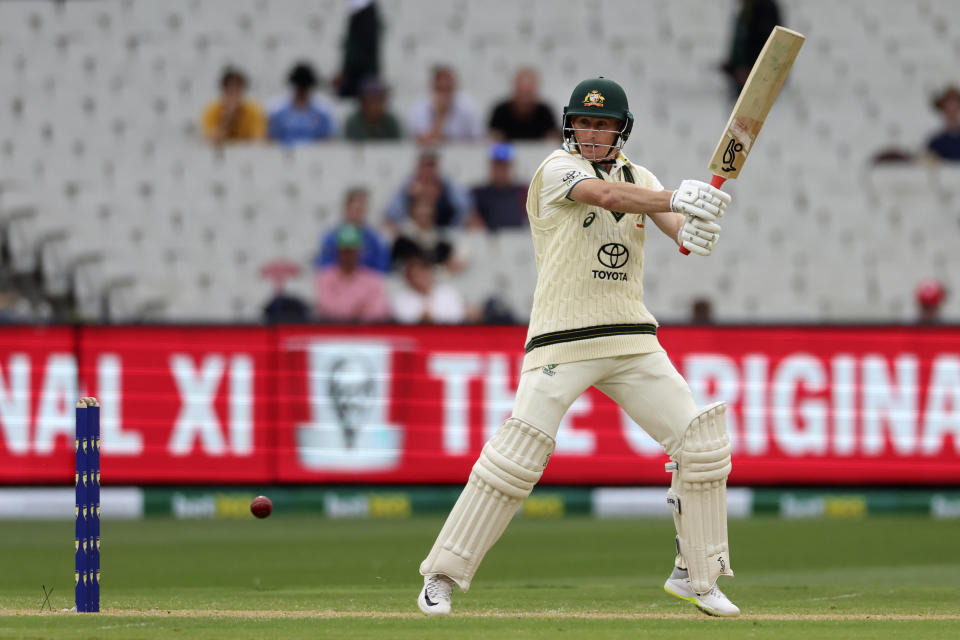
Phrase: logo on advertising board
(348, 428)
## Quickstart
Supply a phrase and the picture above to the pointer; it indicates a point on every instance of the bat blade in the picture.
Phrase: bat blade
(757, 97)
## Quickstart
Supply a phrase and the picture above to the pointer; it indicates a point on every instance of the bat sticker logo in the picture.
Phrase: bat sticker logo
(730, 154)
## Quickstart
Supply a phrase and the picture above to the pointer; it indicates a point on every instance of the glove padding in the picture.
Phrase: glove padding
(700, 200)
(698, 235)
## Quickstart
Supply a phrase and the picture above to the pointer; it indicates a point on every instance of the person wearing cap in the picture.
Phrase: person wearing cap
(375, 253)
(372, 120)
(445, 114)
(524, 116)
(283, 307)
(347, 291)
(452, 202)
(233, 117)
(930, 295)
(946, 144)
(301, 116)
(501, 202)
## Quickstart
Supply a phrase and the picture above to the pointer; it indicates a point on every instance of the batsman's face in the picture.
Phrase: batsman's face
(595, 136)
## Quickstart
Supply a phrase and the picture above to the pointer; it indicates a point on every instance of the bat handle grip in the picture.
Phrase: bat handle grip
(716, 182)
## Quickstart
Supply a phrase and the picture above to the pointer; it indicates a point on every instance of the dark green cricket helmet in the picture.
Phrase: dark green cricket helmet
(598, 97)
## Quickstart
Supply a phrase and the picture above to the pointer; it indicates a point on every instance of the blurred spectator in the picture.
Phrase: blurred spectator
(371, 120)
(420, 236)
(374, 253)
(452, 203)
(446, 114)
(930, 295)
(301, 116)
(283, 307)
(946, 144)
(892, 155)
(421, 300)
(701, 311)
(496, 311)
(232, 117)
(755, 20)
(348, 291)
(501, 202)
(361, 48)
(524, 116)
(16, 308)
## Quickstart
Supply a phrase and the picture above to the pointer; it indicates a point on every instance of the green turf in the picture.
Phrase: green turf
(803, 571)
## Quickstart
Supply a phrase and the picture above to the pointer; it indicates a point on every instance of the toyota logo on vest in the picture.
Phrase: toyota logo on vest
(613, 255)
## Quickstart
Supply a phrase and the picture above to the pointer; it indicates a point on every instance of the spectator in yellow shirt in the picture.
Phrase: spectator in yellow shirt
(233, 118)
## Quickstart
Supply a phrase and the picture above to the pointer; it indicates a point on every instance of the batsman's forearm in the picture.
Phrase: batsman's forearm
(621, 196)
(630, 198)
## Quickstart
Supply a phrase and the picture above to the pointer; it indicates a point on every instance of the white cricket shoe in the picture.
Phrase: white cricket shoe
(713, 602)
(436, 595)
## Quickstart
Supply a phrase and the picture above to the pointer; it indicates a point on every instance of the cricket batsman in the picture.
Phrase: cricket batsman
(589, 207)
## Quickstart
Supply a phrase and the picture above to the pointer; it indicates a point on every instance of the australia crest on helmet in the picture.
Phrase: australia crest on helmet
(593, 99)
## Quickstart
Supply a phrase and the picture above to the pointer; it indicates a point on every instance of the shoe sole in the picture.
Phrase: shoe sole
(696, 603)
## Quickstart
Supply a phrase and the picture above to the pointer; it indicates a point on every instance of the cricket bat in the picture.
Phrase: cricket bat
(758, 94)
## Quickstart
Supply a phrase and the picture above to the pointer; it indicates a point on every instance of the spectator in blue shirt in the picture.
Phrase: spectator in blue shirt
(502, 201)
(374, 252)
(946, 144)
(301, 116)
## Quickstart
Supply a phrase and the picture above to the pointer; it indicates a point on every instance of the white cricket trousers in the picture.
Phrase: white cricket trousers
(646, 386)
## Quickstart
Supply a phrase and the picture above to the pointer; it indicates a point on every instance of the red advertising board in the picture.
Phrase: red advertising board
(38, 389)
(415, 404)
(181, 404)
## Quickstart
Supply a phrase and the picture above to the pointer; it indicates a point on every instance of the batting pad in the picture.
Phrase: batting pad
(698, 495)
(509, 466)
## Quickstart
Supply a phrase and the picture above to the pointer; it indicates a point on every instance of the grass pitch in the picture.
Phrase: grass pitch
(570, 578)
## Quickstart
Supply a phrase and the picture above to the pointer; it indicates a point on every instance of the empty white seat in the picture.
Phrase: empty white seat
(104, 98)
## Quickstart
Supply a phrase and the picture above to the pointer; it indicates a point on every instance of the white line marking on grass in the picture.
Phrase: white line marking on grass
(842, 595)
(124, 626)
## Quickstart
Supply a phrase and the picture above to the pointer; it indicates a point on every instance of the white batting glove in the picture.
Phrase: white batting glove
(698, 235)
(700, 200)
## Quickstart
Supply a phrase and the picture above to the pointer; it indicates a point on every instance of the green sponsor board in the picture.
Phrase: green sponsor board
(945, 505)
(544, 502)
(347, 502)
(851, 503)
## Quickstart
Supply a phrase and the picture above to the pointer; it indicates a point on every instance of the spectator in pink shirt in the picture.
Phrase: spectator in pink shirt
(347, 291)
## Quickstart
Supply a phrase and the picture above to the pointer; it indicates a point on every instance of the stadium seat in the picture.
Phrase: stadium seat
(111, 179)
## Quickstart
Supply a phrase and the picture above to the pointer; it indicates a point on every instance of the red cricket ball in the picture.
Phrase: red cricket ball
(261, 506)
